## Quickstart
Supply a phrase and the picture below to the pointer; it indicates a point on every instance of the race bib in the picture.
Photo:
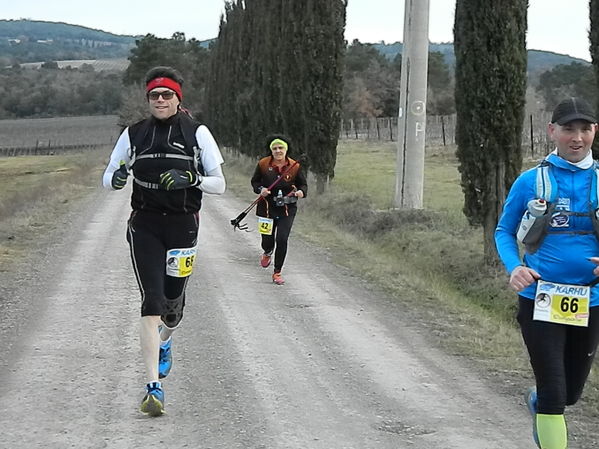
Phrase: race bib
(562, 303)
(265, 225)
(179, 262)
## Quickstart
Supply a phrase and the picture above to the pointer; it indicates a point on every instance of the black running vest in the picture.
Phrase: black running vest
(158, 146)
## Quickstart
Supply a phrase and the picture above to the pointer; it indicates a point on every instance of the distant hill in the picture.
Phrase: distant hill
(26, 41)
(33, 41)
(37, 29)
(539, 61)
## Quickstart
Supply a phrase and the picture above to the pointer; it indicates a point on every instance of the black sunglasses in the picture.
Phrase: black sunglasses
(166, 95)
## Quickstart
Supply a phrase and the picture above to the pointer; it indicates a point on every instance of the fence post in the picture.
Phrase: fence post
(443, 130)
(390, 129)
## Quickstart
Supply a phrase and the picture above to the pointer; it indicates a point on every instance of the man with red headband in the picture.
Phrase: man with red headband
(173, 161)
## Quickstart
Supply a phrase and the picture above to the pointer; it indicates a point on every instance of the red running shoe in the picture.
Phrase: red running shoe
(265, 260)
(278, 279)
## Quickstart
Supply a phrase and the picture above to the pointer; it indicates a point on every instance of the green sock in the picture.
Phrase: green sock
(552, 431)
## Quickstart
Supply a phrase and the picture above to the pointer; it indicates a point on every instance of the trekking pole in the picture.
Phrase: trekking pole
(236, 222)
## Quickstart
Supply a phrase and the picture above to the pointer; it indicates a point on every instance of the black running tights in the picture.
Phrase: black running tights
(150, 236)
(560, 355)
(280, 235)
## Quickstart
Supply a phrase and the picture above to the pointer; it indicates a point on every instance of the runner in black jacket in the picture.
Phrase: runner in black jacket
(173, 160)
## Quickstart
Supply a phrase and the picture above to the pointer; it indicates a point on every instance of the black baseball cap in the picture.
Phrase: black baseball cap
(573, 109)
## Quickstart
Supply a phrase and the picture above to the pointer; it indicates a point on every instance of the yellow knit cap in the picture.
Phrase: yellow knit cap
(277, 142)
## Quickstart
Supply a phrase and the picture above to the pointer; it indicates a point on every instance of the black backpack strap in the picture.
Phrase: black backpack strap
(137, 134)
(189, 128)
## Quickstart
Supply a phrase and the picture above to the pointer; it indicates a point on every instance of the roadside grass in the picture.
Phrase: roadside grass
(36, 190)
(429, 261)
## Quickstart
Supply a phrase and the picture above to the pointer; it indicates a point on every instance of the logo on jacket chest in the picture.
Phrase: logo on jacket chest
(561, 217)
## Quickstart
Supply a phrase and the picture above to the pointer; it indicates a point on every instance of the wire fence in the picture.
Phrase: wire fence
(440, 131)
(49, 150)
(59, 135)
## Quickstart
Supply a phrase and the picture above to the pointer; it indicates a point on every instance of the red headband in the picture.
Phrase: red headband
(165, 82)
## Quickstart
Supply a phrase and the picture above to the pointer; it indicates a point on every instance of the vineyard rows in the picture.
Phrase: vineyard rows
(52, 135)
(110, 65)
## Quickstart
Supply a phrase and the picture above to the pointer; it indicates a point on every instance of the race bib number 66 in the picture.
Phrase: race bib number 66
(179, 262)
(562, 303)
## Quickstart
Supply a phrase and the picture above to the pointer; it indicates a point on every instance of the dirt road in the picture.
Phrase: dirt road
(322, 362)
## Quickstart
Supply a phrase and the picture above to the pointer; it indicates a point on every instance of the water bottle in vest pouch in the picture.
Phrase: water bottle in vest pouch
(536, 209)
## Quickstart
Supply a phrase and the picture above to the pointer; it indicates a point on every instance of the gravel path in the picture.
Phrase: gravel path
(322, 362)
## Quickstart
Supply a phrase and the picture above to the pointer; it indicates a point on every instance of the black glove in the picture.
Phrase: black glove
(175, 179)
(119, 177)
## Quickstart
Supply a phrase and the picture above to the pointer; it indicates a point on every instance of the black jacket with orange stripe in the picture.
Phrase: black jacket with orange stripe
(265, 174)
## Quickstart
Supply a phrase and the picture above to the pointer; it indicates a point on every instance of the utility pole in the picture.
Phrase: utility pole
(409, 184)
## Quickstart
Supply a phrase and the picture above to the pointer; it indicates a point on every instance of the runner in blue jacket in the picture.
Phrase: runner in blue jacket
(558, 313)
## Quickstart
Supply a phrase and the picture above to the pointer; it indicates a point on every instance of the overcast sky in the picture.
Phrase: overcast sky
(553, 25)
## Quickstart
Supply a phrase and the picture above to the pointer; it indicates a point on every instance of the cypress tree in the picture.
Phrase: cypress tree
(326, 88)
(221, 96)
(277, 67)
(244, 76)
(312, 85)
(273, 66)
(490, 95)
(293, 74)
(255, 92)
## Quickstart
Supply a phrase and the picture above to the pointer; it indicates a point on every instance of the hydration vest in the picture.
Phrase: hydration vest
(138, 133)
(546, 188)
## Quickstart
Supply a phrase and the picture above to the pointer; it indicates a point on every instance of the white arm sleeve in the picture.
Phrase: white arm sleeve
(120, 152)
(214, 180)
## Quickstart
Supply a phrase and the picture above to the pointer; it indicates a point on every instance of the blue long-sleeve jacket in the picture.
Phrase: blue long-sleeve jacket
(570, 241)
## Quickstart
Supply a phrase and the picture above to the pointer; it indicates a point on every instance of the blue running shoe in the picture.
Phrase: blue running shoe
(165, 359)
(153, 402)
(531, 403)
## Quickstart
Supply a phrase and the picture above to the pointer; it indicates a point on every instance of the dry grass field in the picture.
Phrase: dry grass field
(36, 190)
